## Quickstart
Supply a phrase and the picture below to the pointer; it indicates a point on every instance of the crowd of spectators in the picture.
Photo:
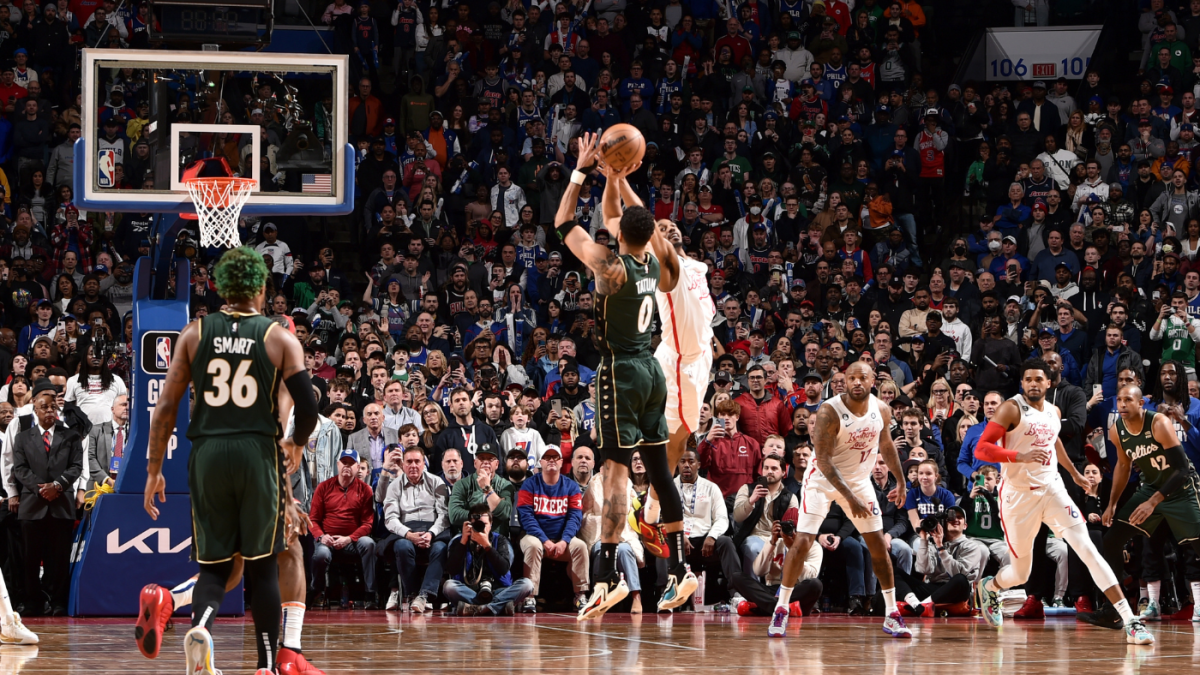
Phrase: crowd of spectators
(812, 156)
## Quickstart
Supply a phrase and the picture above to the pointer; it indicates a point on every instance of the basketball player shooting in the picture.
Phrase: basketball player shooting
(630, 387)
(851, 430)
(1032, 492)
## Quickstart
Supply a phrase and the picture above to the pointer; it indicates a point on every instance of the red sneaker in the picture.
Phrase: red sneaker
(291, 661)
(746, 608)
(794, 609)
(155, 606)
(653, 538)
(1032, 609)
(1083, 604)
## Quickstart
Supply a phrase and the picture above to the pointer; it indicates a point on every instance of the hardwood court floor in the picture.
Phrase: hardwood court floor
(347, 643)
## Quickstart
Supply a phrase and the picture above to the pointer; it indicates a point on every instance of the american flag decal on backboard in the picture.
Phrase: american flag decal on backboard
(317, 182)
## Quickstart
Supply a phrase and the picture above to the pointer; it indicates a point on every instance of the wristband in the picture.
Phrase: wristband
(577, 177)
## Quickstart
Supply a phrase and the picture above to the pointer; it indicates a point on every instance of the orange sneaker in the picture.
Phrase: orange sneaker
(292, 661)
(653, 538)
(155, 607)
(794, 609)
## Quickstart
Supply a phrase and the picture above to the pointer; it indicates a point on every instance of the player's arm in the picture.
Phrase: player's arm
(663, 250)
(610, 273)
(162, 419)
(987, 449)
(1064, 461)
(610, 202)
(1120, 476)
(824, 441)
(887, 449)
(1179, 467)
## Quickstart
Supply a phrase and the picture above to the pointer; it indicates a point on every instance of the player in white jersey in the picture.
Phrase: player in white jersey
(851, 430)
(1023, 437)
(685, 353)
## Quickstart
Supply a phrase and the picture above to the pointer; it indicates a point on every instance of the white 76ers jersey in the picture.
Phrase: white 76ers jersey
(857, 441)
(1037, 429)
(687, 311)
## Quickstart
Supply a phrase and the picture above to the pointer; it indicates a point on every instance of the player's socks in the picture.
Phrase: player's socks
(1144, 593)
(912, 601)
(677, 557)
(182, 594)
(1122, 607)
(608, 562)
(650, 513)
(785, 596)
(1153, 589)
(293, 624)
(1196, 593)
(889, 601)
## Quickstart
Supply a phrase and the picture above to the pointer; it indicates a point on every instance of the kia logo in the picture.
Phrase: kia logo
(115, 547)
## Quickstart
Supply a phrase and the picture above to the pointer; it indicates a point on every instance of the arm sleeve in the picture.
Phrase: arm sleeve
(300, 387)
(987, 449)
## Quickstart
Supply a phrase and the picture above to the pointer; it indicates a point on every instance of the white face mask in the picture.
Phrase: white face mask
(993, 245)
(754, 210)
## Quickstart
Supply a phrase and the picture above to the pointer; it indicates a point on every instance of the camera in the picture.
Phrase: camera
(477, 523)
(929, 524)
(788, 528)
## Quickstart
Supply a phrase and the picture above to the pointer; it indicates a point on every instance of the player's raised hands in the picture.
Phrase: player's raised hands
(589, 152)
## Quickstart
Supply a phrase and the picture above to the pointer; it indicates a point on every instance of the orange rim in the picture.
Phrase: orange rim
(220, 197)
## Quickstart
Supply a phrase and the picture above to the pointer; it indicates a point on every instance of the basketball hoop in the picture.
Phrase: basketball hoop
(219, 203)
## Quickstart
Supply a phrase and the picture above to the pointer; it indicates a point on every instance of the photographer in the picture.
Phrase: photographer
(950, 562)
(480, 561)
(760, 597)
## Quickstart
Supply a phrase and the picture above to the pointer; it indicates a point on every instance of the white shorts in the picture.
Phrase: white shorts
(686, 384)
(819, 493)
(1022, 512)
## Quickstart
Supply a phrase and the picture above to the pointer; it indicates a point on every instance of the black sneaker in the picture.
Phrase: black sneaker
(855, 607)
(484, 595)
(1105, 617)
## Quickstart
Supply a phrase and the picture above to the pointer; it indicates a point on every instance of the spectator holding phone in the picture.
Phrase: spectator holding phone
(731, 458)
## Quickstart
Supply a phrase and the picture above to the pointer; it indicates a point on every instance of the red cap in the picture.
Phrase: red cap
(743, 345)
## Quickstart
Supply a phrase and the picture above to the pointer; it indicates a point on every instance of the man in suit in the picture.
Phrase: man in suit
(47, 460)
(106, 445)
(371, 442)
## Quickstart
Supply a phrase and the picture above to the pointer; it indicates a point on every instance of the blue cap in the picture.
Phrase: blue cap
(541, 255)
(21, 50)
(883, 109)
(1186, 127)
(770, 115)
(348, 453)
(100, 268)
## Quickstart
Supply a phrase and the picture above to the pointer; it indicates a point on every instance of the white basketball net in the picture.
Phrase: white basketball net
(219, 203)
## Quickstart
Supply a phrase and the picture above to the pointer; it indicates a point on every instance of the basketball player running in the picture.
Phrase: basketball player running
(630, 387)
(1167, 490)
(157, 604)
(235, 361)
(851, 430)
(1032, 492)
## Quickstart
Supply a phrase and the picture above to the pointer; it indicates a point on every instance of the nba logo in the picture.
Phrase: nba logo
(162, 352)
(107, 167)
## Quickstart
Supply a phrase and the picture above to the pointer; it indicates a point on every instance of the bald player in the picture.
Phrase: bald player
(850, 432)
(1167, 489)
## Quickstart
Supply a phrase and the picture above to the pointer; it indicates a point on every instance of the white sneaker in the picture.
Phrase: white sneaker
(419, 604)
(530, 605)
(16, 633)
(393, 602)
(604, 596)
(198, 648)
(779, 622)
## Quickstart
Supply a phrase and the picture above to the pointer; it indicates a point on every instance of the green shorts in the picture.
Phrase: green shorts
(237, 498)
(1181, 511)
(631, 396)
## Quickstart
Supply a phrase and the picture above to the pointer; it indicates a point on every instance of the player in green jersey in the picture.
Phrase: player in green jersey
(1167, 489)
(235, 360)
(631, 390)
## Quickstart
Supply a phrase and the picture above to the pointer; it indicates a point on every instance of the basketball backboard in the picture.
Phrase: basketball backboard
(277, 118)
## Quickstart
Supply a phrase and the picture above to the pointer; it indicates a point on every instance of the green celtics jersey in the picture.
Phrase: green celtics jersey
(1177, 342)
(983, 518)
(1147, 454)
(233, 377)
(623, 319)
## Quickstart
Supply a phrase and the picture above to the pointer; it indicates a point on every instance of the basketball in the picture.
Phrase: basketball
(622, 146)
